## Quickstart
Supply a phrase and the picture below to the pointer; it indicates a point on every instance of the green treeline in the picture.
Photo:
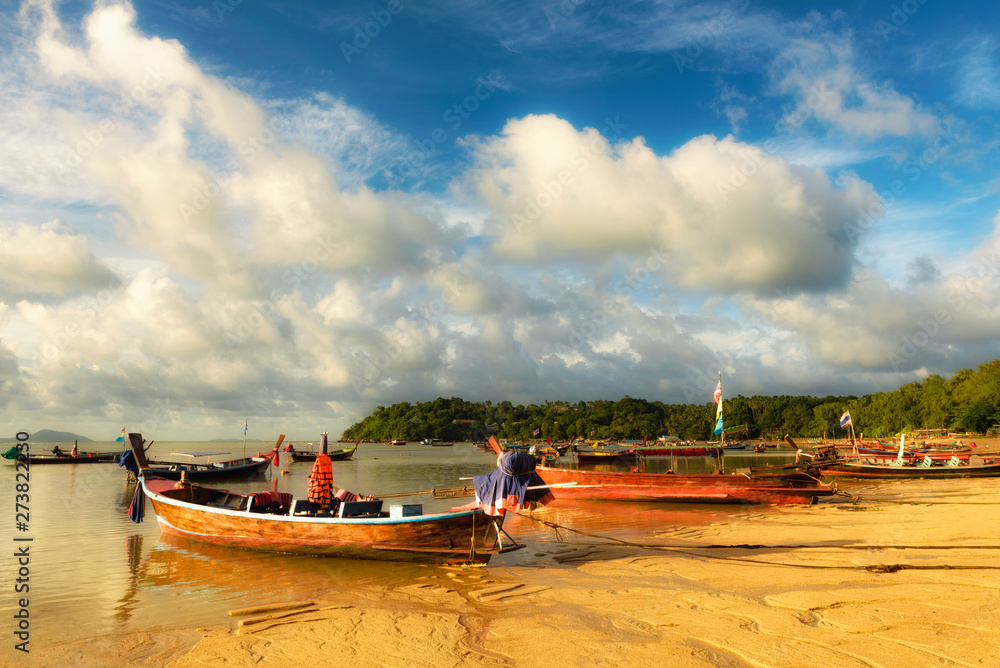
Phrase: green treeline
(968, 401)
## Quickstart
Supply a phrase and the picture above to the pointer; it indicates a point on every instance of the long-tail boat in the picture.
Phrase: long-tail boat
(793, 487)
(335, 455)
(80, 458)
(830, 462)
(243, 467)
(276, 522)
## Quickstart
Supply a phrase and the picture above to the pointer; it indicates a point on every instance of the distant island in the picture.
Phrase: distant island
(51, 436)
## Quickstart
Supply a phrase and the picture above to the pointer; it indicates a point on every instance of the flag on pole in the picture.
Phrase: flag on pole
(536, 432)
(845, 419)
(717, 398)
(121, 439)
(246, 423)
(592, 430)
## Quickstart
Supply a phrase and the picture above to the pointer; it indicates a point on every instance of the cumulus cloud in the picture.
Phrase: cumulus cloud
(724, 214)
(51, 260)
(189, 161)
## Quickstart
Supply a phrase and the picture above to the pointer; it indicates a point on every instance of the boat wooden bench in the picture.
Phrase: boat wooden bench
(360, 508)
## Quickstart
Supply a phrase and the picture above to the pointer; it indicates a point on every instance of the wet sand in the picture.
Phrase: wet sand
(907, 576)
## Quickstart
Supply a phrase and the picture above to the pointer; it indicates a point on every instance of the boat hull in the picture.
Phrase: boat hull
(885, 471)
(338, 455)
(708, 488)
(436, 538)
(681, 451)
(95, 458)
(202, 472)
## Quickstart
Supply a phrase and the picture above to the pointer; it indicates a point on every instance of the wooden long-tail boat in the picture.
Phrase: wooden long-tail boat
(335, 455)
(791, 487)
(679, 450)
(243, 467)
(80, 458)
(282, 524)
(831, 462)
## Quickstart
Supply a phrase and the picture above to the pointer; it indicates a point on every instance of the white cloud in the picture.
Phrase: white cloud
(51, 260)
(726, 215)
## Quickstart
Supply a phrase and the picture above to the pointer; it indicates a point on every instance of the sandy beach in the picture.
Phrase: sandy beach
(908, 575)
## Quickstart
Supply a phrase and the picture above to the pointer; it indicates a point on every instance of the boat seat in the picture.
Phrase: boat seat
(275, 503)
(304, 507)
(360, 508)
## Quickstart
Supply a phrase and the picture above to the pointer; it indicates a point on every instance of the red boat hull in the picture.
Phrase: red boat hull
(708, 488)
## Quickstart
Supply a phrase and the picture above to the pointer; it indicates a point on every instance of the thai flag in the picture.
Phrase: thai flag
(536, 432)
(845, 419)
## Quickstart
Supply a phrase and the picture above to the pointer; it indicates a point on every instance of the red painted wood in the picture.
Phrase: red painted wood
(707, 488)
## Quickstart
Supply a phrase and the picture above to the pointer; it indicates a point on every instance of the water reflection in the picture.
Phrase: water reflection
(94, 572)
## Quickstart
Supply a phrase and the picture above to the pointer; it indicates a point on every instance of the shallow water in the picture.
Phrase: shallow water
(95, 573)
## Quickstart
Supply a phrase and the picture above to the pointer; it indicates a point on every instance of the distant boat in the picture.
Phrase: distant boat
(233, 468)
(243, 467)
(397, 441)
(443, 445)
(830, 462)
(310, 455)
(81, 458)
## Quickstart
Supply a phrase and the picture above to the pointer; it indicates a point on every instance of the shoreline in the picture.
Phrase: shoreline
(907, 576)
(886, 582)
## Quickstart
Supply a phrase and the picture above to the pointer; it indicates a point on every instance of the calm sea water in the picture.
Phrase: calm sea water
(95, 573)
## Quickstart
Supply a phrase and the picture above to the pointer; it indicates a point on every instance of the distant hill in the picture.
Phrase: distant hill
(50, 436)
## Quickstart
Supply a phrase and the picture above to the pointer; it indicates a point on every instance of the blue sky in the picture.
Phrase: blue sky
(213, 211)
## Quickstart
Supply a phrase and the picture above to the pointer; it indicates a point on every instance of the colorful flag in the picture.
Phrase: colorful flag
(246, 423)
(845, 419)
(593, 429)
(717, 397)
(536, 432)
(121, 439)
(718, 427)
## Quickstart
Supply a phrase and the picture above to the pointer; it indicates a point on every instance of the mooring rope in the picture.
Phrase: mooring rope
(690, 551)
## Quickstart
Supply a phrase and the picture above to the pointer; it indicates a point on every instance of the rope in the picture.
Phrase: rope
(875, 568)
